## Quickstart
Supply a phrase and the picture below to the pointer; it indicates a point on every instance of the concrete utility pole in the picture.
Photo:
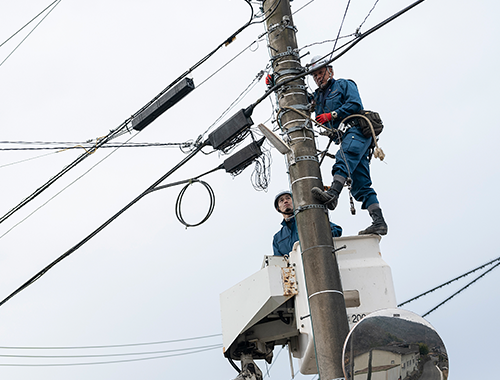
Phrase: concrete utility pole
(326, 299)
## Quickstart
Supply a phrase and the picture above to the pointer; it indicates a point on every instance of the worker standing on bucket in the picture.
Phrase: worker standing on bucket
(334, 100)
(285, 238)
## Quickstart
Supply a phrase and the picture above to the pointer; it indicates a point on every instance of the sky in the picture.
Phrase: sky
(431, 74)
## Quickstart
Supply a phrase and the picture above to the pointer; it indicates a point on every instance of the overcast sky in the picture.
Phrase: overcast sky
(431, 74)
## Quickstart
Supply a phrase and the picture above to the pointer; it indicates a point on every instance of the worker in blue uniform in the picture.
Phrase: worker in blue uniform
(334, 100)
(285, 238)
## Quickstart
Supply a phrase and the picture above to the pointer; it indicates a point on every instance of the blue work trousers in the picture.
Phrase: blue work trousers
(353, 160)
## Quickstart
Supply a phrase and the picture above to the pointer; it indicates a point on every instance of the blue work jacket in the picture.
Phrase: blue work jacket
(285, 238)
(341, 96)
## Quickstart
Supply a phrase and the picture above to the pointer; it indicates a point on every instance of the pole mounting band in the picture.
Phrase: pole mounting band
(308, 207)
(302, 178)
(289, 51)
(326, 291)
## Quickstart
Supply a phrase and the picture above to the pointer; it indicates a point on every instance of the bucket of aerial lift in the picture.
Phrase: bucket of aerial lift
(271, 307)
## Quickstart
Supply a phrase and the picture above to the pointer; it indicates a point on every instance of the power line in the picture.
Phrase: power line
(462, 289)
(59, 192)
(29, 22)
(109, 345)
(348, 46)
(108, 362)
(124, 127)
(88, 146)
(109, 221)
(24, 39)
(450, 281)
(108, 355)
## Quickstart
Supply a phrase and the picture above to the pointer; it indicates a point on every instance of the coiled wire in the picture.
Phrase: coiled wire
(178, 203)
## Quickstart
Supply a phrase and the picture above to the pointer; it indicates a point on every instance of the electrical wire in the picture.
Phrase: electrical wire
(29, 22)
(366, 18)
(302, 7)
(459, 291)
(89, 147)
(450, 281)
(104, 225)
(108, 362)
(348, 45)
(178, 203)
(59, 192)
(341, 25)
(108, 345)
(238, 99)
(27, 159)
(24, 39)
(269, 11)
(108, 355)
(261, 175)
(274, 362)
(60, 149)
(124, 127)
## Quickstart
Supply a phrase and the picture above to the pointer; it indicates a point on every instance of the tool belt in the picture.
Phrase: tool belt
(369, 121)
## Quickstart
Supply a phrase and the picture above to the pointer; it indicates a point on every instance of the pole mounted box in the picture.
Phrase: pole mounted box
(166, 101)
(227, 132)
(241, 159)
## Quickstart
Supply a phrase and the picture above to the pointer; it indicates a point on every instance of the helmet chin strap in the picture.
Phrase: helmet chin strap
(287, 213)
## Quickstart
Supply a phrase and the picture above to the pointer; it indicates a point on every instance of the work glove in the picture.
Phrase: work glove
(270, 80)
(324, 118)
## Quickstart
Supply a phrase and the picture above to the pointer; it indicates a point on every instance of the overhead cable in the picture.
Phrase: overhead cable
(104, 225)
(60, 191)
(450, 281)
(108, 355)
(124, 127)
(462, 289)
(349, 45)
(341, 25)
(108, 345)
(109, 362)
(24, 39)
(29, 22)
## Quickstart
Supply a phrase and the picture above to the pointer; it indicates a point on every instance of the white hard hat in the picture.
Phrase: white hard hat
(317, 61)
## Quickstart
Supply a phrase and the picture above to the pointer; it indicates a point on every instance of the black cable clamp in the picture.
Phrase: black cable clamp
(309, 207)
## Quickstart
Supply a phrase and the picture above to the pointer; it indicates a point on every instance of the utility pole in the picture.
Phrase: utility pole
(326, 299)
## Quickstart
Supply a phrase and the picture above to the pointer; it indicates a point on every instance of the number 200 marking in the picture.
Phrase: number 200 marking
(357, 317)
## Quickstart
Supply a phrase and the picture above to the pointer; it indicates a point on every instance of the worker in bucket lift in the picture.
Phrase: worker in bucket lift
(285, 238)
(334, 100)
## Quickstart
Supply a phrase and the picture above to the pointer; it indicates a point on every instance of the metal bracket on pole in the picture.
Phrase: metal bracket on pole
(308, 207)
(289, 51)
(303, 158)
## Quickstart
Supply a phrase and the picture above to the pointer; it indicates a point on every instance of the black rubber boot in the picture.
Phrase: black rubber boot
(378, 227)
(330, 197)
